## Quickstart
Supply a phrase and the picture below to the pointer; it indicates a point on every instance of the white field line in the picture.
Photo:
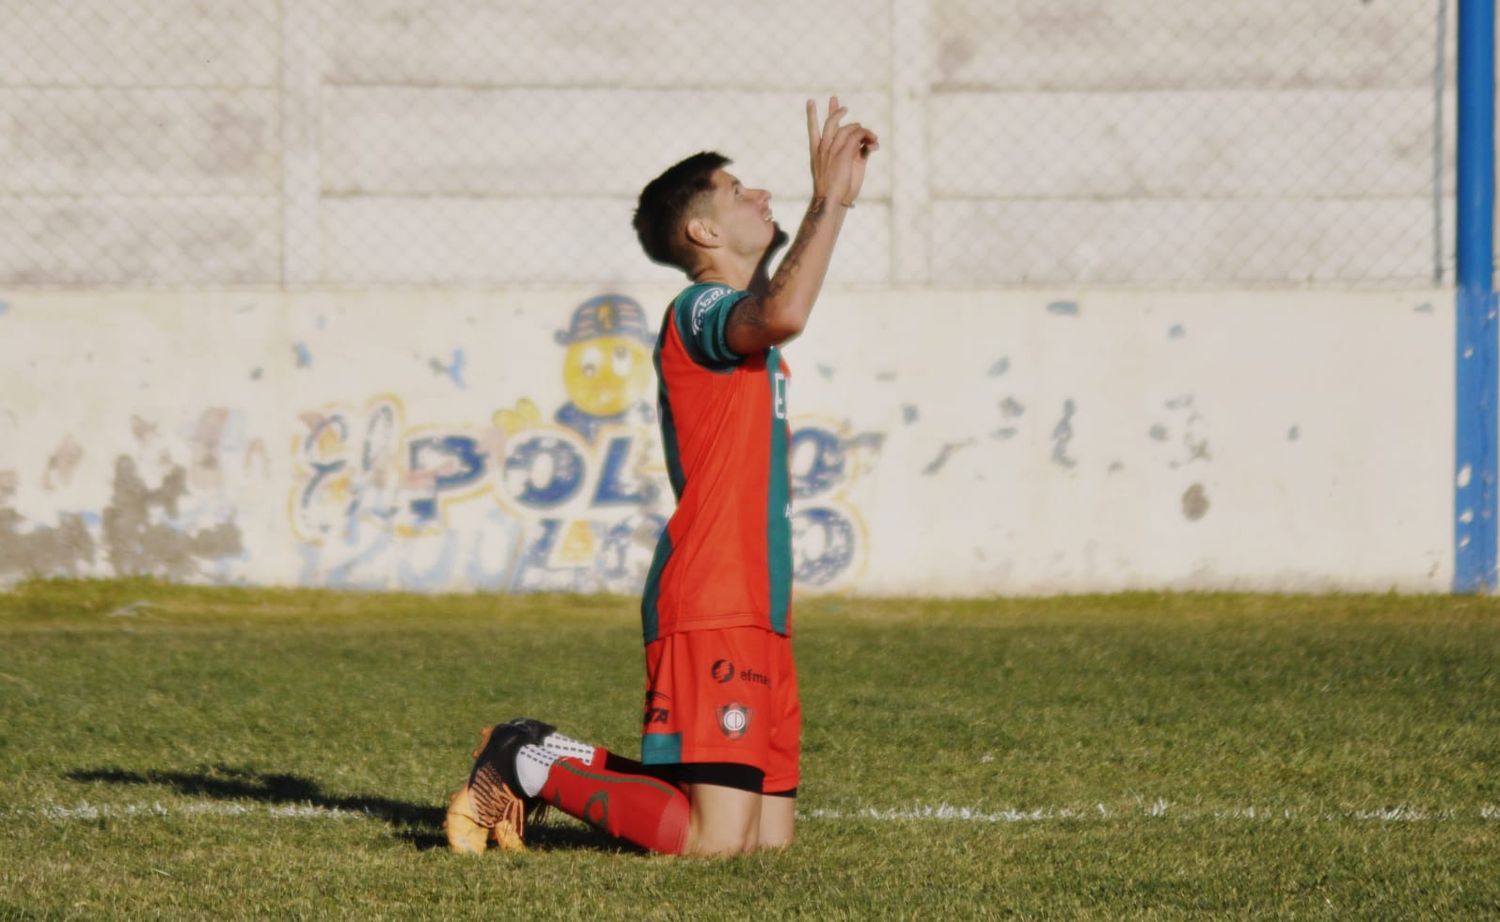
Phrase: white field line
(1155, 808)
(88, 811)
(920, 813)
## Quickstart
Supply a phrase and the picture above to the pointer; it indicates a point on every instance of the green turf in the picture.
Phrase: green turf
(184, 752)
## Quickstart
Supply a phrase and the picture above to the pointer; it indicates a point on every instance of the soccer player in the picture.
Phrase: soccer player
(721, 729)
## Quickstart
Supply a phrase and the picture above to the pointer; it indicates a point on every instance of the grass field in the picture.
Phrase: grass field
(176, 752)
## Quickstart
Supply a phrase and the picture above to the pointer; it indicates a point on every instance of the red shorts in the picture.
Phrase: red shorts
(724, 695)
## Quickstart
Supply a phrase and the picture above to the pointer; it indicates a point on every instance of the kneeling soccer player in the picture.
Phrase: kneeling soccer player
(721, 730)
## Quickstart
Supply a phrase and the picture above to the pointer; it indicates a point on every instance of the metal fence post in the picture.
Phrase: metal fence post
(1475, 407)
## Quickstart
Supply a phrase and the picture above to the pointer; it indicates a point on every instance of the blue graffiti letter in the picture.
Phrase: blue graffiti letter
(554, 462)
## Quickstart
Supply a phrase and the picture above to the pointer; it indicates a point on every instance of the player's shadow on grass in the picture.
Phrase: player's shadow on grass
(419, 824)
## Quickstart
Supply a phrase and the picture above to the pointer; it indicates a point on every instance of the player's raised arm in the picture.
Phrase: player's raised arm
(778, 307)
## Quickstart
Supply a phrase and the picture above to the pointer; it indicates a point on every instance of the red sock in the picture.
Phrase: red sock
(648, 812)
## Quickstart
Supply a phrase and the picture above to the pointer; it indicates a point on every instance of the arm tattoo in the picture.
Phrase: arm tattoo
(788, 266)
(751, 311)
(748, 312)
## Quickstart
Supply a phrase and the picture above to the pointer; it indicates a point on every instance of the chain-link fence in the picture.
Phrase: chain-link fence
(333, 143)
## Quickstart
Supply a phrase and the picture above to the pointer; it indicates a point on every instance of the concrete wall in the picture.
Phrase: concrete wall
(452, 143)
(946, 441)
(196, 200)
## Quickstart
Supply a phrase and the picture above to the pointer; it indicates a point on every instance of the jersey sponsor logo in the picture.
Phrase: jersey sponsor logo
(723, 672)
(656, 710)
(705, 301)
(734, 720)
(778, 383)
(759, 678)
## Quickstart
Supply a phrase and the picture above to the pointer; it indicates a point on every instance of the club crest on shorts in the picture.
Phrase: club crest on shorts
(734, 720)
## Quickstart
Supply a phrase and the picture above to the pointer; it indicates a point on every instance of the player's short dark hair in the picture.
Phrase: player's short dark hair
(665, 203)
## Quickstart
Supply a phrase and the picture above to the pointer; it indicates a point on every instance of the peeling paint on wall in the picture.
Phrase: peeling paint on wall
(1185, 418)
(61, 465)
(206, 473)
(142, 429)
(1062, 434)
(63, 550)
(138, 541)
(944, 453)
(106, 518)
(1194, 503)
(141, 533)
(454, 369)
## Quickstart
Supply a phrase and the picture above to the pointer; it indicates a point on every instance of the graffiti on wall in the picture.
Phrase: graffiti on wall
(525, 501)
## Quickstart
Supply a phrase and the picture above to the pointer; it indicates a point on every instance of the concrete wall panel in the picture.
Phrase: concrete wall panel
(493, 241)
(457, 141)
(1128, 240)
(782, 44)
(122, 43)
(385, 114)
(113, 240)
(102, 142)
(1240, 144)
(1147, 44)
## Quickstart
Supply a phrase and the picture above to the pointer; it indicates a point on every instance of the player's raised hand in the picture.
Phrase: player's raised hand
(867, 144)
(837, 152)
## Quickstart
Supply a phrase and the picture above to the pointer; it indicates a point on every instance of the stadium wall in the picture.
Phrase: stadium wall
(447, 143)
(288, 291)
(945, 441)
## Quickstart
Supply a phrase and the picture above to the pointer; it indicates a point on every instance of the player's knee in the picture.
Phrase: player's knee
(722, 840)
(710, 846)
(770, 839)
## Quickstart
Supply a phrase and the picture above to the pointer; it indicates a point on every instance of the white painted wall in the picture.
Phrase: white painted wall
(971, 442)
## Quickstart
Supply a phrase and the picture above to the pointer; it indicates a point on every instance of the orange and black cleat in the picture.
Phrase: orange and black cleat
(491, 806)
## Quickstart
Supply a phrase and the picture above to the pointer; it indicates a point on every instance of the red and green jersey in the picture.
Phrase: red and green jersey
(725, 557)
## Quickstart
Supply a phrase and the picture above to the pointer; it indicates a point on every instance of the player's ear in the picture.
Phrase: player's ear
(702, 232)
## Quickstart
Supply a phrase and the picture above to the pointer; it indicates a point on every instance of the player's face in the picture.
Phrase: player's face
(743, 213)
